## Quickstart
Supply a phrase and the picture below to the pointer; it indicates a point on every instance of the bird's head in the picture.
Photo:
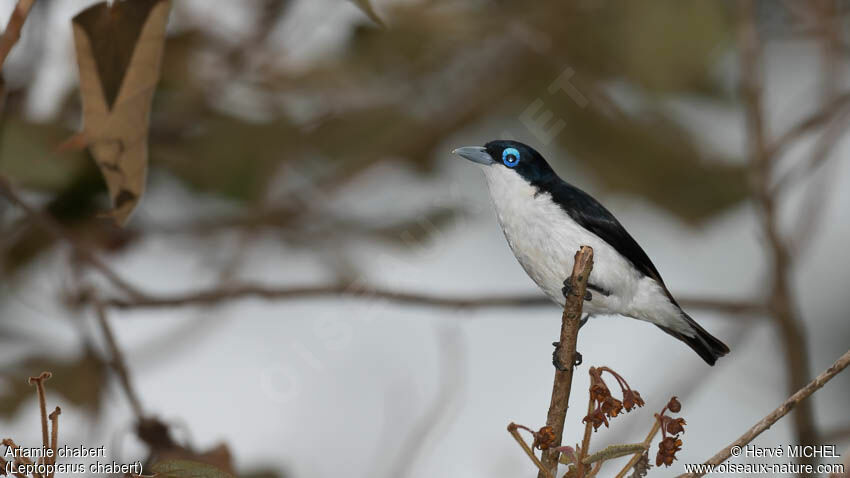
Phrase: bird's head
(513, 156)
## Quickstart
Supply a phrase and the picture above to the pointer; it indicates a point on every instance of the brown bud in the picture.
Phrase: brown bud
(544, 438)
(596, 418)
(598, 390)
(631, 399)
(675, 425)
(667, 449)
(674, 406)
(611, 407)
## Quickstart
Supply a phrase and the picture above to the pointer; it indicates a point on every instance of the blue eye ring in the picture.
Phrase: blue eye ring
(510, 156)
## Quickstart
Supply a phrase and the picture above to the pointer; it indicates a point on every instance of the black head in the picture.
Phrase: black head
(513, 155)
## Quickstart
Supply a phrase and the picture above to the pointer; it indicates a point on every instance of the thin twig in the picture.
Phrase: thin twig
(825, 144)
(117, 362)
(512, 429)
(825, 116)
(42, 405)
(54, 437)
(585, 441)
(781, 300)
(646, 442)
(570, 320)
(792, 402)
(12, 33)
(58, 231)
(247, 291)
(19, 459)
(812, 210)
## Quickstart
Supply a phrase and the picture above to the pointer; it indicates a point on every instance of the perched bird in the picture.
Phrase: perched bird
(546, 220)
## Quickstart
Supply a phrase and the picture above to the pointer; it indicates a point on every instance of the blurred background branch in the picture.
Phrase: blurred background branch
(298, 148)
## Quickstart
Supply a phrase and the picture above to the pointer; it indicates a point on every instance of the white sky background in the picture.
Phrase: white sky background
(324, 387)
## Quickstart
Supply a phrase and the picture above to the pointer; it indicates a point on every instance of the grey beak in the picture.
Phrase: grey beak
(476, 154)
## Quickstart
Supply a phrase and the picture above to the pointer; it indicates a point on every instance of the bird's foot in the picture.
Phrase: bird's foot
(567, 290)
(577, 358)
(583, 321)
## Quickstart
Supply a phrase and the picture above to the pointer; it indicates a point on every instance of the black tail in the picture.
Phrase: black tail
(706, 345)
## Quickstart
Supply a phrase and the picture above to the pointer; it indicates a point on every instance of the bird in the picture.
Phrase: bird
(546, 220)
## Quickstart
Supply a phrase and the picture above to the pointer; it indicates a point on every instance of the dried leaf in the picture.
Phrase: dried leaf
(119, 51)
(369, 10)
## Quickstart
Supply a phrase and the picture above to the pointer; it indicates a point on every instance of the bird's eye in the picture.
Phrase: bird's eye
(510, 156)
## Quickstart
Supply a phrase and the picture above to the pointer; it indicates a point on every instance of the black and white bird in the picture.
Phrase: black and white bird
(546, 220)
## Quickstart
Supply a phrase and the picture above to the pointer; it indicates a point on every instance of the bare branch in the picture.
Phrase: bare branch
(570, 320)
(774, 416)
(513, 430)
(827, 141)
(837, 108)
(117, 362)
(55, 229)
(247, 291)
(42, 405)
(54, 437)
(12, 33)
(781, 301)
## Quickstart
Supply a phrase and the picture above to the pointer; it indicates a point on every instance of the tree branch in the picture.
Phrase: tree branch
(570, 320)
(781, 301)
(774, 416)
(55, 229)
(12, 33)
(825, 116)
(355, 291)
(117, 362)
(514, 431)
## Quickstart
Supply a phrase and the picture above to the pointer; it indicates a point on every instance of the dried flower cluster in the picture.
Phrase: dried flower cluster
(544, 438)
(671, 428)
(606, 405)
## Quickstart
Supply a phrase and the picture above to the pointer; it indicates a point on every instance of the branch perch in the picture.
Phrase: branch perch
(566, 353)
(777, 414)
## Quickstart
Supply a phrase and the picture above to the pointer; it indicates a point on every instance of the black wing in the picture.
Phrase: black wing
(591, 215)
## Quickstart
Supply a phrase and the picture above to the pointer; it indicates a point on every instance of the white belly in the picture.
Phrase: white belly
(545, 239)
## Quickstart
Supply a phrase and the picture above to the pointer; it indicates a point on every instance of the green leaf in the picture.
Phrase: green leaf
(188, 469)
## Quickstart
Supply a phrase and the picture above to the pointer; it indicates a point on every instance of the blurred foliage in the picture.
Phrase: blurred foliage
(81, 382)
(396, 93)
(187, 469)
(229, 116)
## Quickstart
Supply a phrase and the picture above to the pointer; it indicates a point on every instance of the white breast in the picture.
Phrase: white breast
(545, 239)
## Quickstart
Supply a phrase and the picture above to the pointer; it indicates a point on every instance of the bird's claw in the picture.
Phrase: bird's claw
(567, 290)
(577, 358)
